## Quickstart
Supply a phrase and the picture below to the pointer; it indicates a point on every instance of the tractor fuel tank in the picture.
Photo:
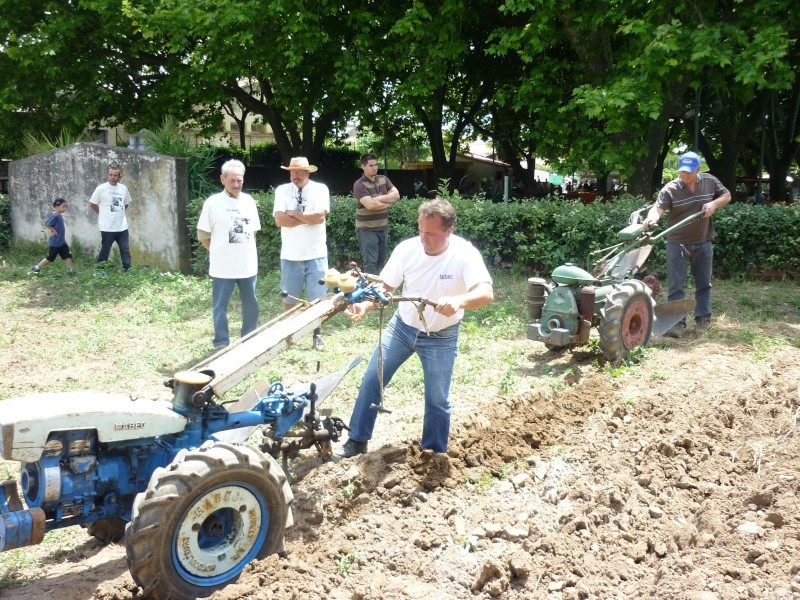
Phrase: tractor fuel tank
(569, 274)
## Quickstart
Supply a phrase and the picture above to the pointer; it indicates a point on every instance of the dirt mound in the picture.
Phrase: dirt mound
(677, 479)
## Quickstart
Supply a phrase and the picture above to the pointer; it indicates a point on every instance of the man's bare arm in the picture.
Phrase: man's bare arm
(382, 201)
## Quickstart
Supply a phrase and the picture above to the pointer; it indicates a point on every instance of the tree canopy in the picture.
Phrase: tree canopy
(586, 85)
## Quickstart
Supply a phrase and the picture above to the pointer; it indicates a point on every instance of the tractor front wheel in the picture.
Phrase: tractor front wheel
(204, 517)
(626, 320)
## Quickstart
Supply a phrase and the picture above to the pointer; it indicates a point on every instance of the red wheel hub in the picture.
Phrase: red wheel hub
(635, 323)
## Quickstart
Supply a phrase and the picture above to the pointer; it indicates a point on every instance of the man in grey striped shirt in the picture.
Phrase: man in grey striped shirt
(690, 193)
(374, 193)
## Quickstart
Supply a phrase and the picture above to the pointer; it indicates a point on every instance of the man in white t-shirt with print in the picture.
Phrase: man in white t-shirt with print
(227, 228)
(110, 201)
(300, 210)
(449, 271)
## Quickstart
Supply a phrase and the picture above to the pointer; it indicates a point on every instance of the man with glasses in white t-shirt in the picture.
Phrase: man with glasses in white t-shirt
(300, 210)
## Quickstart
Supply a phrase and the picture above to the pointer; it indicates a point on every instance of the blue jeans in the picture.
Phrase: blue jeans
(373, 249)
(107, 239)
(299, 275)
(437, 353)
(221, 292)
(700, 256)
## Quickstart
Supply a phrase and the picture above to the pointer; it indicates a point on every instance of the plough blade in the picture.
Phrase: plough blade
(248, 400)
(668, 314)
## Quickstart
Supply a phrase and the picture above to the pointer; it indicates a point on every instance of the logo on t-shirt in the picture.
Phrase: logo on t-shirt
(446, 277)
(237, 233)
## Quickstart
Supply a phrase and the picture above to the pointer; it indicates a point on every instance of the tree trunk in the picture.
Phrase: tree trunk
(784, 144)
(291, 141)
(442, 168)
(642, 182)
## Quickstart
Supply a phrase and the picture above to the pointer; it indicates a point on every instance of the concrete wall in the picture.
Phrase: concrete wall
(156, 216)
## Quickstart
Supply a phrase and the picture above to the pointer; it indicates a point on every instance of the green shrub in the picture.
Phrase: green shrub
(268, 240)
(263, 155)
(757, 240)
(5, 221)
(539, 235)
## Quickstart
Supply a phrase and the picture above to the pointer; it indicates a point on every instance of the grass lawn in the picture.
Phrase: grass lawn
(113, 331)
(127, 333)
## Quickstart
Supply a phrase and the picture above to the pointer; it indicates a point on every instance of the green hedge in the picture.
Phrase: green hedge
(751, 240)
(539, 235)
(758, 240)
(5, 221)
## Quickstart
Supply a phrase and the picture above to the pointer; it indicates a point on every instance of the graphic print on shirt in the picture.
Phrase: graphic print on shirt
(117, 203)
(301, 206)
(238, 232)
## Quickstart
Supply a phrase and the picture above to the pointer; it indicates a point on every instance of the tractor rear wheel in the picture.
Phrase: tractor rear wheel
(626, 320)
(204, 517)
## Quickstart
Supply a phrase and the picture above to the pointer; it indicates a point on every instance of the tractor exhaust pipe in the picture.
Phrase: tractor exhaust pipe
(18, 527)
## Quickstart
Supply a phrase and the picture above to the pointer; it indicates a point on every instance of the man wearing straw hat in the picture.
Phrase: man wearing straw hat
(300, 209)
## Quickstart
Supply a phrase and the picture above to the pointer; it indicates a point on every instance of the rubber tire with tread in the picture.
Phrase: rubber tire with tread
(162, 510)
(626, 320)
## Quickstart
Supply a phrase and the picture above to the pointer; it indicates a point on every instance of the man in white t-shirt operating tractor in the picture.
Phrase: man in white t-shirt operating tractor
(449, 271)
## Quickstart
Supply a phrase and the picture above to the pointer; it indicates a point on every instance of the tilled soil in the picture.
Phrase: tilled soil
(677, 478)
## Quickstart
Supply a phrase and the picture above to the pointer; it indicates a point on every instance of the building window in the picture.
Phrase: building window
(234, 126)
(255, 127)
(137, 142)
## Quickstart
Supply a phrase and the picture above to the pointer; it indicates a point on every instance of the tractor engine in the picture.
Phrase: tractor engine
(70, 484)
(70, 481)
(563, 311)
(84, 456)
(62, 482)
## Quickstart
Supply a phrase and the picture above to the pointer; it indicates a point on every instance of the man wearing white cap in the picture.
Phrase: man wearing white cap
(690, 193)
(300, 209)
